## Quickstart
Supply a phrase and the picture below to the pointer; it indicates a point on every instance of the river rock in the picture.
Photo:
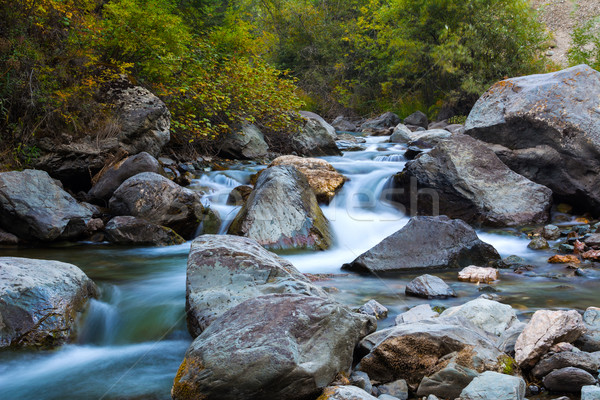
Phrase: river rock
(401, 134)
(314, 138)
(491, 316)
(548, 127)
(577, 359)
(344, 124)
(494, 386)
(40, 301)
(448, 382)
(417, 118)
(322, 177)
(397, 389)
(160, 201)
(568, 379)
(551, 232)
(247, 143)
(345, 393)
(426, 243)
(282, 213)
(361, 380)
(545, 329)
(507, 340)
(373, 308)
(239, 195)
(462, 178)
(538, 243)
(413, 351)
(137, 231)
(590, 393)
(224, 270)
(141, 123)
(432, 136)
(384, 121)
(476, 274)
(113, 177)
(415, 314)
(429, 287)
(279, 346)
(590, 340)
(593, 240)
(34, 207)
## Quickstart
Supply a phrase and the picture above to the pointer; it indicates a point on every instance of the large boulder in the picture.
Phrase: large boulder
(282, 212)
(545, 329)
(426, 243)
(590, 340)
(489, 315)
(40, 301)
(343, 124)
(462, 178)
(322, 177)
(279, 346)
(248, 143)
(314, 138)
(404, 135)
(548, 127)
(140, 122)
(494, 386)
(137, 231)
(158, 200)
(34, 207)
(113, 177)
(384, 121)
(418, 118)
(224, 270)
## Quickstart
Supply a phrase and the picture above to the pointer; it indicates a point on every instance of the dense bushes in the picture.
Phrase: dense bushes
(586, 44)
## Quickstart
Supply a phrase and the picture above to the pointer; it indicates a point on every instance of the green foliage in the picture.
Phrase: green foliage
(586, 44)
(458, 119)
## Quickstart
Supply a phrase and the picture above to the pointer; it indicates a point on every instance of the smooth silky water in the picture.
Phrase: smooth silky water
(133, 338)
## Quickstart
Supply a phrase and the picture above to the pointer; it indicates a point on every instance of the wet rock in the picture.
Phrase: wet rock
(593, 255)
(556, 149)
(580, 359)
(344, 124)
(239, 195)
(494, 386)
(476, 274)
(322, 177)
(160, 201)
(223, 271)
(415, 314)
(545, 329)
(593, 240)
(211, 222)
(510, 262)
(279, 346)
(590, 393)
(432, 136)
(137, 231)
(560, 259)
(491, 316)
(568, 379)
(113, 177)
(397, 389)
(566, 248)
(361, 380)
(249, 143)
(462, 178)
(412, 152)
(429, 287)
(345, 393)
(551, 232)
(590, 340)
(538, 243)
(282, 213)
(426, 243)
(384, 121)
(40, 300)
(447, 382)
(417, 118)
(373, 308)
(314, 138)
(34, 207)
(401, 134)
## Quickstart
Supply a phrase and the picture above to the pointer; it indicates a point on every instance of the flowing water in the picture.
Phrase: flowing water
(133, 338)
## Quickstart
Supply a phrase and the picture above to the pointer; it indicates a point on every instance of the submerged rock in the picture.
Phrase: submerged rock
(548, 129)
(137, 231)
(239, 195)
(426, 243)
(282, 213)
(223, 271)
(429, 287)
(279, 346)
(462, 178)
(40, 301)
(34, 207)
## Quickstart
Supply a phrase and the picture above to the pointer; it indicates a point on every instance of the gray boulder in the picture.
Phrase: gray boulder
(248, 143)
(489, 315)
(577, 359)
(432, 136)
(464, 179)
(137, 231)
(417, 118)
(397, 389)
(426, 243)
(113, 177)
(361, 380)
(429, 287)
(343, 124)
(40, 301)
(314, 138)
(401, 134)
(548, 130)
(568, 379)
(223, 271)
(373, 308)
(551, 232)
(282, 212)
(34, 207)
(384, 121)
(448, 382)
(495, 386)
(159, 201)
(590, 339)
(590, 393)
(279, 346)
(416, 314)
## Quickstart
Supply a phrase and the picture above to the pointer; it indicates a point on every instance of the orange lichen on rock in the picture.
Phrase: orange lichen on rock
(560, 259)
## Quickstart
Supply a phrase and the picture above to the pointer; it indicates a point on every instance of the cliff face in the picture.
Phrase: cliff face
(560, 18)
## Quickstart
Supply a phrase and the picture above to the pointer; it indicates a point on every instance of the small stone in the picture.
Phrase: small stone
(374, 308)
(398, 389)
(415, 314)
(593, 255)
(478, 274)
(566, 248)
(510, 262)
(563, 259)
(593, 240)
(429, 287)
(551, 232)
(568, 379)
(581, 229)
(361, 379)
(538, 243)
